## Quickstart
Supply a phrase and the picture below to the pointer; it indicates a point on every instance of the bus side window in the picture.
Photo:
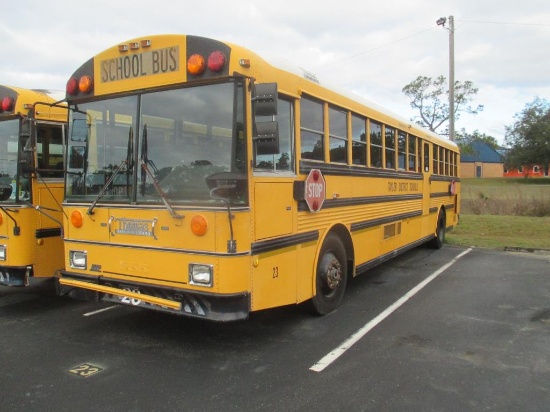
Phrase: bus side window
(312, 129)
(426, 157)
(375, 144)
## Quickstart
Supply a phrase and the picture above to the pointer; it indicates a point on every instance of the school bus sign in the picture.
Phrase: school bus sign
(315, 188)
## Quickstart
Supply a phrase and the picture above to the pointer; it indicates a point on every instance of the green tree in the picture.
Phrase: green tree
(431, 98)
(529, 137)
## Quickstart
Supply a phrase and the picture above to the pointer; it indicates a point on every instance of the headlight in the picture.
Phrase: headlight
(200, 274)
(78, 259)
(2, 252)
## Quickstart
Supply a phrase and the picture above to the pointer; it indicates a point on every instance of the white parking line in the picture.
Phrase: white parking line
(336, 353)
(101, 310)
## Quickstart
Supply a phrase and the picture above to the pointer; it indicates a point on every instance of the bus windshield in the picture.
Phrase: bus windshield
(150, 146)
(9, 135)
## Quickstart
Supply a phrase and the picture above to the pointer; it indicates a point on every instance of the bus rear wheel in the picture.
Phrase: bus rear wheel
(331, 276)
(437, 242)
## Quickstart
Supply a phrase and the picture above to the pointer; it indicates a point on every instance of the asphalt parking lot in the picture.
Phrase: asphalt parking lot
(448, 330)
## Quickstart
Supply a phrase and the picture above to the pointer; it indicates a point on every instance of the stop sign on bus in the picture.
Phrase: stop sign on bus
(315, 188)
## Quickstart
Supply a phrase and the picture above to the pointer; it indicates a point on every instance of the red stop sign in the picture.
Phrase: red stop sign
(315, 190)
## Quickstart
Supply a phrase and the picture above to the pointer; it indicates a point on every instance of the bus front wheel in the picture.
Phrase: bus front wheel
(331, 276)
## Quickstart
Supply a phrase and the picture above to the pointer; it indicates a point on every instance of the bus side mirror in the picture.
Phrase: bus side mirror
(226, 185)
(265, 99)
(266, 133)
(266, 138)
(5, 192)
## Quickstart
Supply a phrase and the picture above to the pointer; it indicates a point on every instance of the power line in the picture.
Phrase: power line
(371, 50)
(421, 32)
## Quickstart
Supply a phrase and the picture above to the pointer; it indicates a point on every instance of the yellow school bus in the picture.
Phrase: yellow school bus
(206, 182)
(32, 134)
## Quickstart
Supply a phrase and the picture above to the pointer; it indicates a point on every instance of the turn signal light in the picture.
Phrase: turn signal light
(77, 218)
(196, 64)
(199, 225)
(85, 84)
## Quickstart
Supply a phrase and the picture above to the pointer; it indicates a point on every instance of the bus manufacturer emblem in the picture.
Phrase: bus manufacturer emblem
(135, 227)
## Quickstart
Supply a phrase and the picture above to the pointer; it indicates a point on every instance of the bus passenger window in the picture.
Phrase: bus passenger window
(435, 160)
(412, 154)
(359, 140)
(312, 130)
(338, 132)
(401, 150)
(375, 144)
(442, 161)
(426, 157)
(390, 147)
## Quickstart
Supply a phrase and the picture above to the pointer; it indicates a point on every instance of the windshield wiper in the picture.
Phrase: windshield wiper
(105, 187)
(144, 158)
(128, 162)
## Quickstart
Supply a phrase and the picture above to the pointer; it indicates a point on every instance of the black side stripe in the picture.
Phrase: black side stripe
(381, 259)
(384, 220)
(282, 242)
(358, 201)
(44, 233)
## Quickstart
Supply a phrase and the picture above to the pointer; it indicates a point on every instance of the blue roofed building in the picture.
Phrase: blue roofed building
(481, 161)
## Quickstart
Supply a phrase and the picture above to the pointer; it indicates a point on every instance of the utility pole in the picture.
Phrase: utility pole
(441, 22)
(451, 78)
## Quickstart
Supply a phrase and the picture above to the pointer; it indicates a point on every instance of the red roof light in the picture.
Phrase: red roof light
(7, 104)
(216, 61)
(72, 87)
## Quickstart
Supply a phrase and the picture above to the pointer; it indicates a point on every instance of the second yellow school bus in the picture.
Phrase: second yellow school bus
(204, 181)
(32, 134)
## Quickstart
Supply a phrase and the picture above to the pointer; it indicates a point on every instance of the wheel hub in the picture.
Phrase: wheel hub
(333, 274)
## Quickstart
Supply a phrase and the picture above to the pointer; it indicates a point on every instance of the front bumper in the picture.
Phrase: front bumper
(221, 308)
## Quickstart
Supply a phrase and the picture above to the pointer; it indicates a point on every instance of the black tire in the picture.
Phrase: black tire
(439, 240)
(331, 276)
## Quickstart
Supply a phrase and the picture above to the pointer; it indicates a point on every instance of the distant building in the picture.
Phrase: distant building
(483, 161)
(525, 171)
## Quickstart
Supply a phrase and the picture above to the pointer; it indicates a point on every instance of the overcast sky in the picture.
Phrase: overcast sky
(371, 48)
